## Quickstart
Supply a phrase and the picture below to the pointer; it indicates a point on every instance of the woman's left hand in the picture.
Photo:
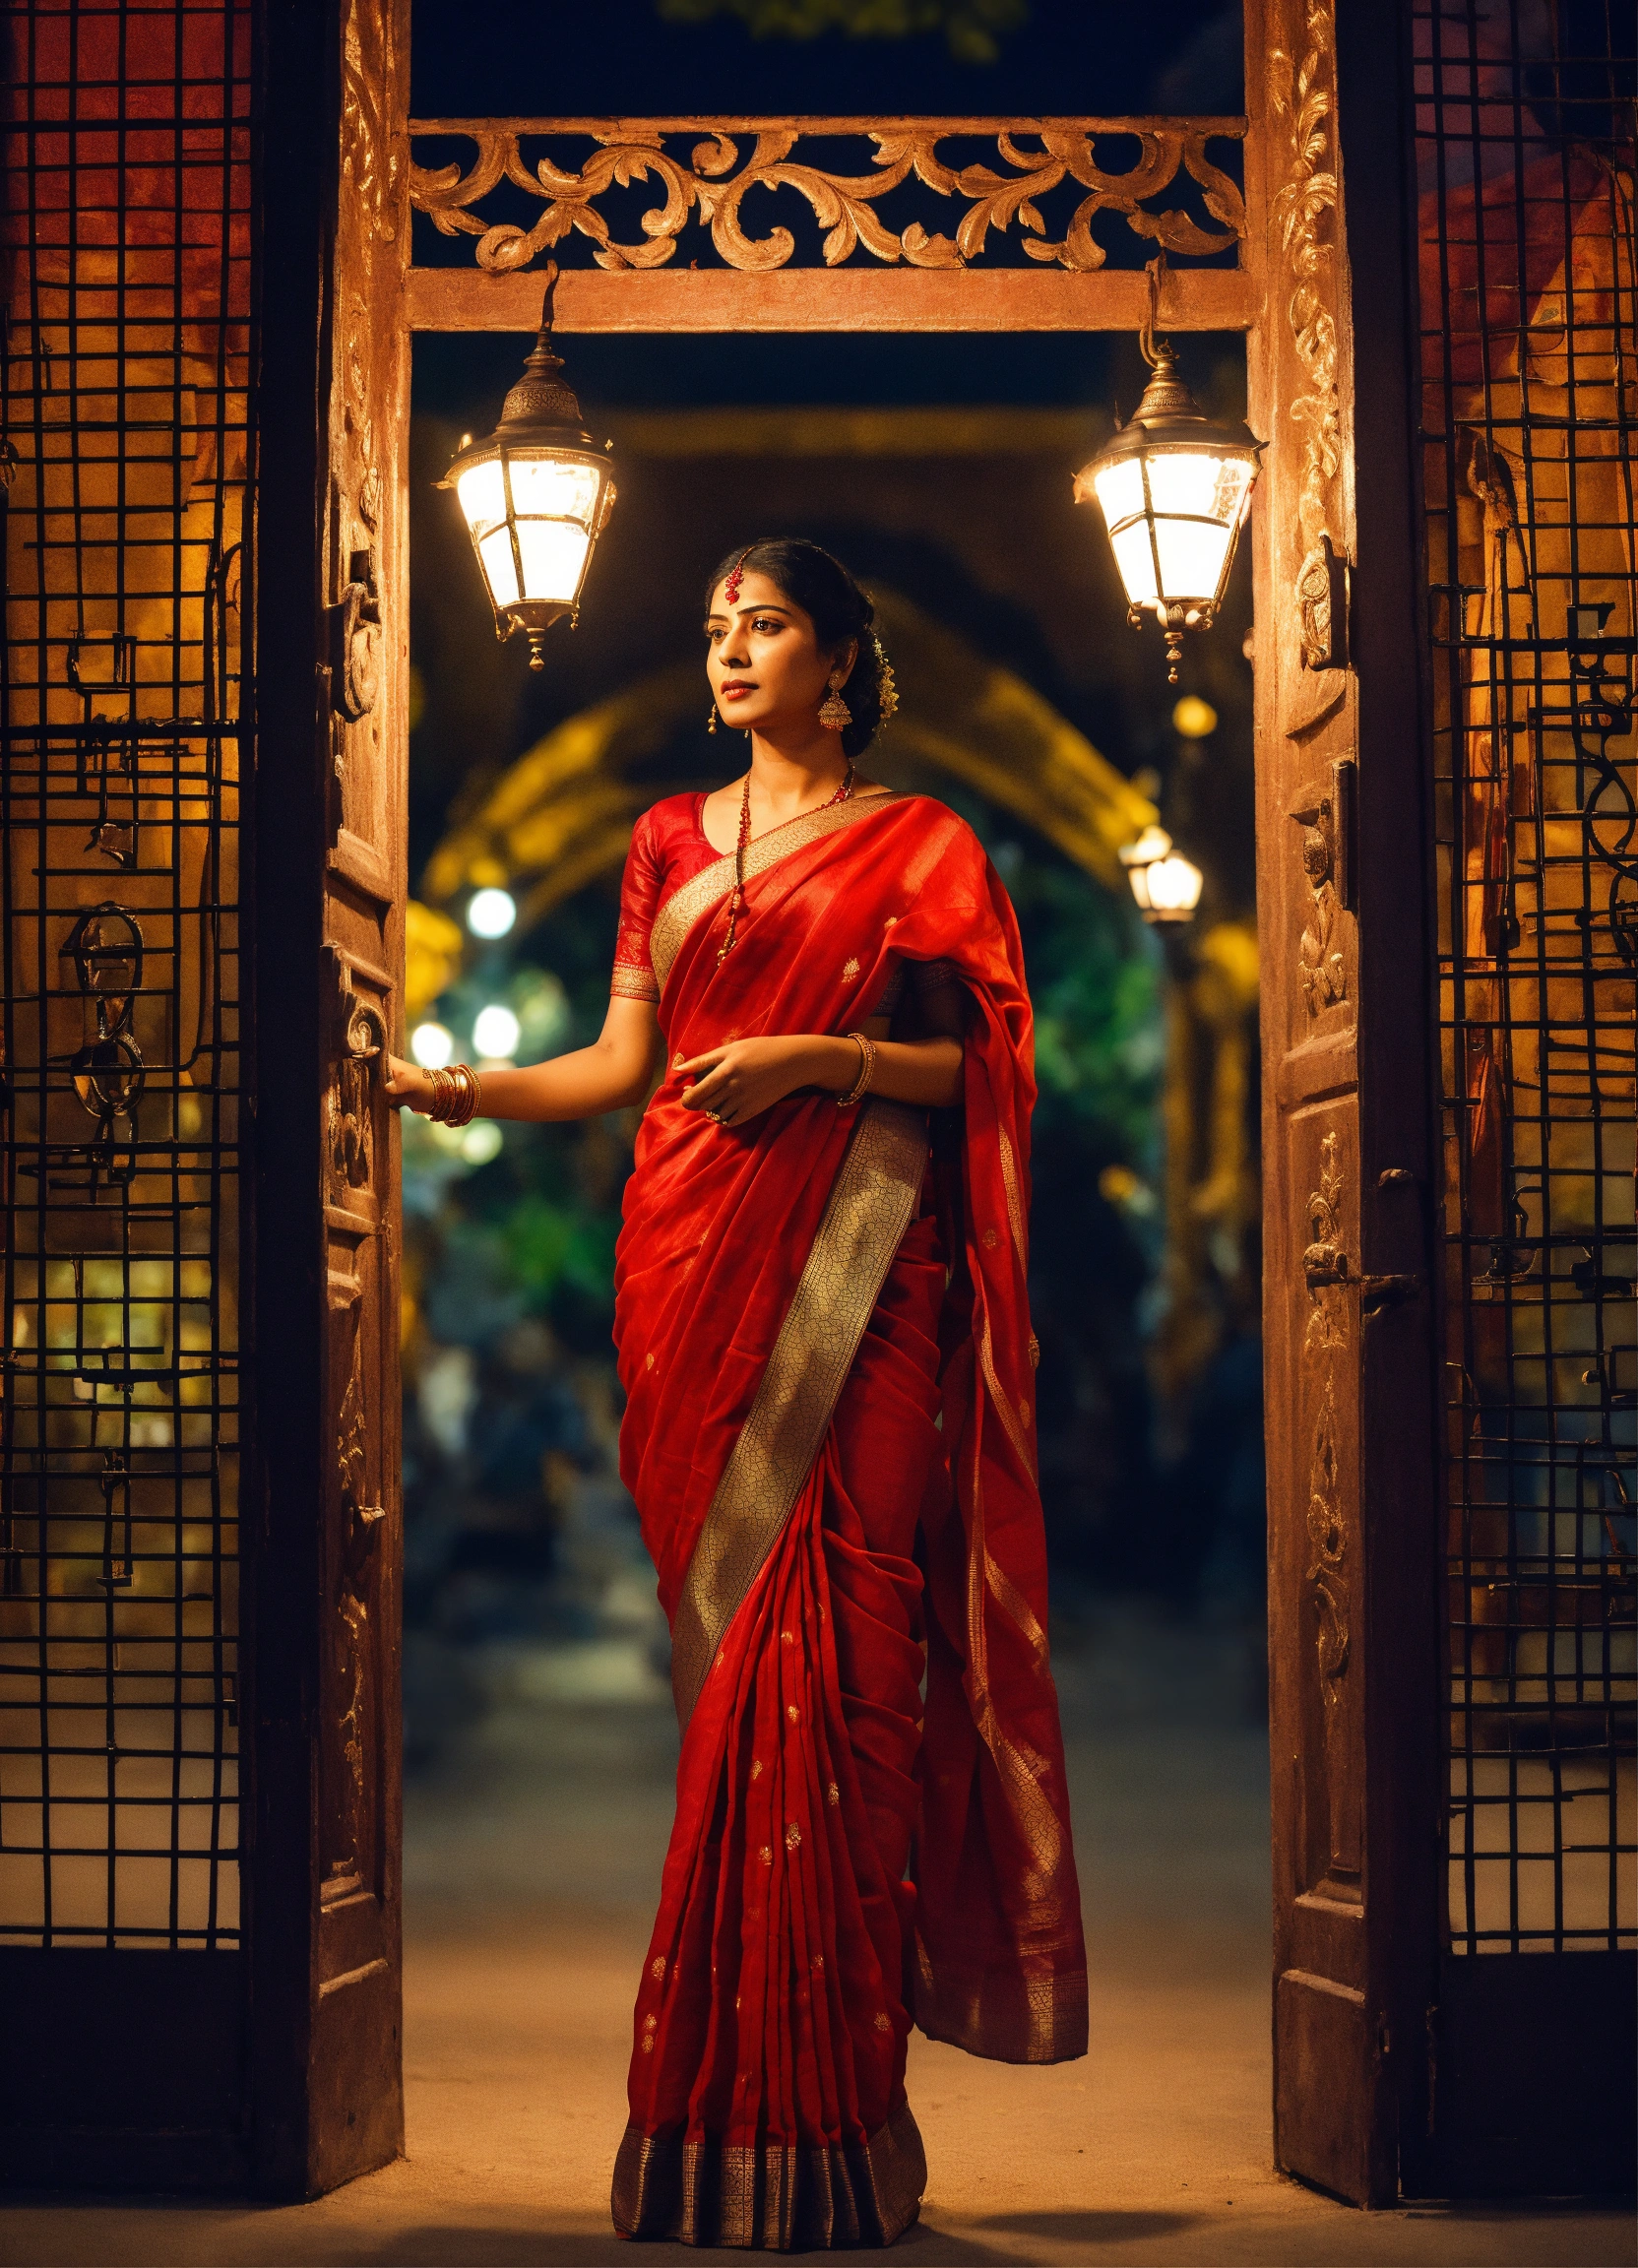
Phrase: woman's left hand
(737, 1082)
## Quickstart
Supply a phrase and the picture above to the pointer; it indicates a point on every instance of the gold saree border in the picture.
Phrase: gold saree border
(779, 2197)
(1012, 2014)
(869, 1211)
(712, 883)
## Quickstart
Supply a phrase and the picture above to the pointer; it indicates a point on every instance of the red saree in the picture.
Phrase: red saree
(829, 1434)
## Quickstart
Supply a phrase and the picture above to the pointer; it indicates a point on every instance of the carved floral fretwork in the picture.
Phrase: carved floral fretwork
(712, 185)
(1302, 93)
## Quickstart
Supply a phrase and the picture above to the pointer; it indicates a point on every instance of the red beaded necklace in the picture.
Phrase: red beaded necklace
(740, 848)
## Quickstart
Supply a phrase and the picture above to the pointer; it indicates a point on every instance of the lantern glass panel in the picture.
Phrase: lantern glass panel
(1119, 488)
(482, 493)
(557, 489)
(553, 555)
(500, 571)
(1192, 552)
(1134, 555)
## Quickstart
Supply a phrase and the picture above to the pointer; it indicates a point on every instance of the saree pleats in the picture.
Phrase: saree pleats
(767, 2094)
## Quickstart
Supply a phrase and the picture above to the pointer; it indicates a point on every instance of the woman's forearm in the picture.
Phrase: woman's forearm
(580, 1085)
(926, 1072)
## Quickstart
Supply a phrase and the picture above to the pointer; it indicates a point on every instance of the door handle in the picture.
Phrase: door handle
(1377, 1294)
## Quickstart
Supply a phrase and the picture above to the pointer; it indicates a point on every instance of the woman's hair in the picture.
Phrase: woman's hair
(839, 610)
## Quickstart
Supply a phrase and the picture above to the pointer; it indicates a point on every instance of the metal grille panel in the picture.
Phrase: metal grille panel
(125, 409)
(1530, 388)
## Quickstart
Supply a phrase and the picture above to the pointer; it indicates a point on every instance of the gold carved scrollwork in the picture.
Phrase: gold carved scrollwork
(1304, 206)
(716, 179)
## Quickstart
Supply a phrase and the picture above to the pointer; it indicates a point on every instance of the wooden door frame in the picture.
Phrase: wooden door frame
(1392, 1971)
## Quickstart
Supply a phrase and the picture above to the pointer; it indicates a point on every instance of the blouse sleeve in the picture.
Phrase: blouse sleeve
(633, 978)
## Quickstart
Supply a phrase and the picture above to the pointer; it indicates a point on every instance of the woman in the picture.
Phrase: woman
(824, 1341)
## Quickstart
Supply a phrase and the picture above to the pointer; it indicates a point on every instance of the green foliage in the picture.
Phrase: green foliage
(550, 1244)
(972, 29)
(1095, 980)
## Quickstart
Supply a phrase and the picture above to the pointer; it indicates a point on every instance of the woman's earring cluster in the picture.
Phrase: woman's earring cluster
(834, 713)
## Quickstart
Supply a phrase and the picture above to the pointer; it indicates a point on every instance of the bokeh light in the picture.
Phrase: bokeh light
(432, 1045)
(495, 1031)
(480, 1143)
(492, 912)
(1194, 717)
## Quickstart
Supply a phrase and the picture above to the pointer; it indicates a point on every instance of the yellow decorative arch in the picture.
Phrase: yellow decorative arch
(562, 815)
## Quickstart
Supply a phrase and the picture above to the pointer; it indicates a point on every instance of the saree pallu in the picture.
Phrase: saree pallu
(824, 1340)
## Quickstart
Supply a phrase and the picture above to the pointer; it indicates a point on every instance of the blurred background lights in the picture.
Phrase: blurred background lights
(495, 1031)
(492, 912)
(480, 1141)
(1193, 718)
(1165, 885)
(432, 1045)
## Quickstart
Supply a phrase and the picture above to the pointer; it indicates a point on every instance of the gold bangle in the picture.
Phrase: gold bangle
(866, 1070)
(468, 1096)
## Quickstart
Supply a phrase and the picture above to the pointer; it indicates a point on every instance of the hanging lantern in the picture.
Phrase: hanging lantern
(536, 496)
(1166, 884)
(1173, 488)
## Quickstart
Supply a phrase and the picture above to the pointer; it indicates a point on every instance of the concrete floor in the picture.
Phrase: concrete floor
(530, 1864)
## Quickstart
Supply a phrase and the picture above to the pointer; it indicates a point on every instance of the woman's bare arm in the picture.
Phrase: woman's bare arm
(748, 1076)
(612, 1074)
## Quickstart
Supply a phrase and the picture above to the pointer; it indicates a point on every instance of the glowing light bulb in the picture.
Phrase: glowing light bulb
(495, 1031)
(432, 1045)
(492, 912)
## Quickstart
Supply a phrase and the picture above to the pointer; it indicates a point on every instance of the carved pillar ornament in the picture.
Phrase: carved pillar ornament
(349, 1137)
(1325, 1269)
(1324, 813)
(1303, 94)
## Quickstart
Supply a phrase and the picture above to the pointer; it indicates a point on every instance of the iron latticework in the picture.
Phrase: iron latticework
(1530, 389)
(127, 454)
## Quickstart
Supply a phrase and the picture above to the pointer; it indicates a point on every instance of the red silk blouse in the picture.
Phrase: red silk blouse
(668, 848)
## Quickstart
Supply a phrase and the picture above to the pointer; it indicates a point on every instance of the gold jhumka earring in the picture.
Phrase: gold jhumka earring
(711, 720)
(834, 713)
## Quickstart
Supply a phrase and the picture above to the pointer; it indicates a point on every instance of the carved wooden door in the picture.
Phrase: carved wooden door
(334, 667)
(1344, 847)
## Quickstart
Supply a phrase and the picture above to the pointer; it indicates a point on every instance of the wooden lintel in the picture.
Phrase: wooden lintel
(830, 299)
(649, 129)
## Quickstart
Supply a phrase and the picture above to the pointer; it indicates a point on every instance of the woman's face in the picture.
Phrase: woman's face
(766, 667)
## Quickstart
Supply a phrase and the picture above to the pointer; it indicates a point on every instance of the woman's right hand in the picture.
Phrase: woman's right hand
(407, 1083)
